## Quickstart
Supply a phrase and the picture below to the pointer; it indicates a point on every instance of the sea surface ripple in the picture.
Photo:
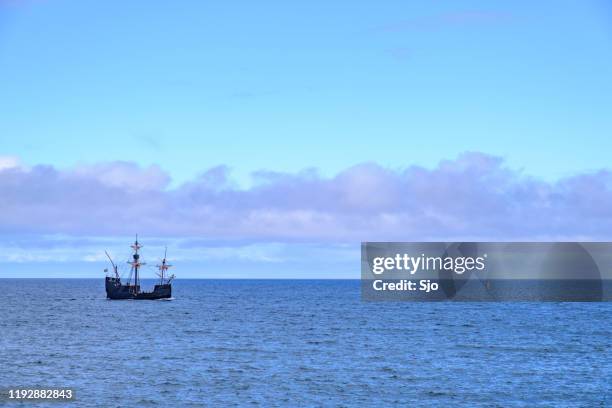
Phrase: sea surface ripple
(299, 343)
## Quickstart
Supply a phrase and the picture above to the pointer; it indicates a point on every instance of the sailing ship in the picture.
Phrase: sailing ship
(115, 289)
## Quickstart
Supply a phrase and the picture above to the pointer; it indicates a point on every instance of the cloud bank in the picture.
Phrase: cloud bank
(474, 196)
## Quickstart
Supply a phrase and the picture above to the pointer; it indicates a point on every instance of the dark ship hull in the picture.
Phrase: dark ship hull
(115, 290)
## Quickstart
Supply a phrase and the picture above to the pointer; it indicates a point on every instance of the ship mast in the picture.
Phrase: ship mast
(163, 267)
(136, 264)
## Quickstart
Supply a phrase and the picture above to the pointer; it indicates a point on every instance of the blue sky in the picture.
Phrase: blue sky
(172, 90)
(284, 86)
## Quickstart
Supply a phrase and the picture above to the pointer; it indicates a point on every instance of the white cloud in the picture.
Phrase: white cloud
(9, 162)
(473, 196)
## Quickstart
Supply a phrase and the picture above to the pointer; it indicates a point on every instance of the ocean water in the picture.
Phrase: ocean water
(299, 343)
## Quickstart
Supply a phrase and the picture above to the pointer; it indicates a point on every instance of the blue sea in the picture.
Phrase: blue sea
(299, 343)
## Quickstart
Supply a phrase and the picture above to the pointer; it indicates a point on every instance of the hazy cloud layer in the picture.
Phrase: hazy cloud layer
(472, 197)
